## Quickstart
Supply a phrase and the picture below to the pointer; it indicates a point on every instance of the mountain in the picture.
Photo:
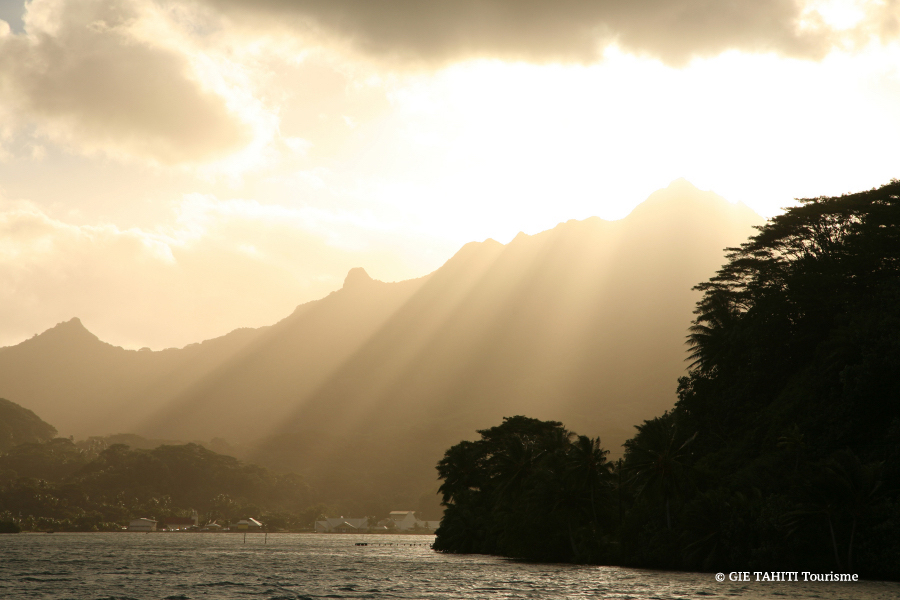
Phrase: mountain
(363, 390)
(90, 387)
(19, 425)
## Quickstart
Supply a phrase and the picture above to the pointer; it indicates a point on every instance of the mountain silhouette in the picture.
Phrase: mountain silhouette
(90, 387)
(19, 425)
(363, 390)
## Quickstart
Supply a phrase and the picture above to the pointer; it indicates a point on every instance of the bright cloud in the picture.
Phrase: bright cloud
(209, 164)
(88, 75)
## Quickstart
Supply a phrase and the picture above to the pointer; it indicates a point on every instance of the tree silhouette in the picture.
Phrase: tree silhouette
(528, 489)
(656, 458)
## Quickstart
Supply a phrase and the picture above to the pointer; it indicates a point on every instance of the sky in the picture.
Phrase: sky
(173, 169)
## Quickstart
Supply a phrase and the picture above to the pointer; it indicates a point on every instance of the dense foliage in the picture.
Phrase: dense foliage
(528, 489)
(57, 485)
(18, 425)
(794, 395)
(783, 449)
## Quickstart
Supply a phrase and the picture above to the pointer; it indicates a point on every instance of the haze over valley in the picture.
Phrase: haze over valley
(584, 323)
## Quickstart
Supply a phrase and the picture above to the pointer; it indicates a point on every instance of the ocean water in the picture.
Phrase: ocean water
(181, 566)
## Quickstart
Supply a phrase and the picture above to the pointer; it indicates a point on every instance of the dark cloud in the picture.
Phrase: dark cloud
(84, 77)
(547, 30)
(12, 12)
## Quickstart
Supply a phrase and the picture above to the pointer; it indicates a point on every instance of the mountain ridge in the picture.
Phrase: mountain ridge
(582, 323)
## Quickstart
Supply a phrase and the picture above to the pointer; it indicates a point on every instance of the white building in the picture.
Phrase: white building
(405, 520)
(342, 525)
(142, 525)
(248, 525)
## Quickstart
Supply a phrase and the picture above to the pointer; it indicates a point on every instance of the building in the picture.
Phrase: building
(248, 525)
(402, 520)
(142, 524)
(342, 525)
(405, 520)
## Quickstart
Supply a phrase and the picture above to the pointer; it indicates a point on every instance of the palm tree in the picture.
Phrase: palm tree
(461, 469)
(588, 469)
(656, 456)
(709, 333)
(511, 467)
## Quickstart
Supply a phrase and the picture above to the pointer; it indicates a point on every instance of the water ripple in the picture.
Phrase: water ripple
(122, 566)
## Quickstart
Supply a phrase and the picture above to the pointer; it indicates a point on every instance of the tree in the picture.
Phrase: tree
(588, 470)
(527, 489)
(656, 458)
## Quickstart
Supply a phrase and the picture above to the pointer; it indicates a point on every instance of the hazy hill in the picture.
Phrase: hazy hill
(362, 391)
(19, 425)
(89, 387)
(56, 485)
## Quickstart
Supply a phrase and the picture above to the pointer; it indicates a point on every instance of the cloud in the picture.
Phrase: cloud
(549, 30)
(84, 75)
(196, 81)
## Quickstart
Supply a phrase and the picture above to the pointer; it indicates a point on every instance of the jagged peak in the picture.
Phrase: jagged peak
(356, 277)
(74, 322)
(73, 325)
(73, 329)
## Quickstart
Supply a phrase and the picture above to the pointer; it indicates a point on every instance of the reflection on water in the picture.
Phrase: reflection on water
(293, 566)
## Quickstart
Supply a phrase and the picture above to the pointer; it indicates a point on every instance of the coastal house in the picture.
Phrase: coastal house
(342, 525)
(346, 527)
(402, 520)
(248, 525)
(406, 520)
(142, 524)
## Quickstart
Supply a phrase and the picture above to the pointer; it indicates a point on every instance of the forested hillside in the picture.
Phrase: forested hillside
(58, 485)
(794, 398)
(783, 449)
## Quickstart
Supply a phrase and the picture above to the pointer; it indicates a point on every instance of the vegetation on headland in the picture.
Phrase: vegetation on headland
(60, 486)
(101, 484)
(782, 451)
(527, 489)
